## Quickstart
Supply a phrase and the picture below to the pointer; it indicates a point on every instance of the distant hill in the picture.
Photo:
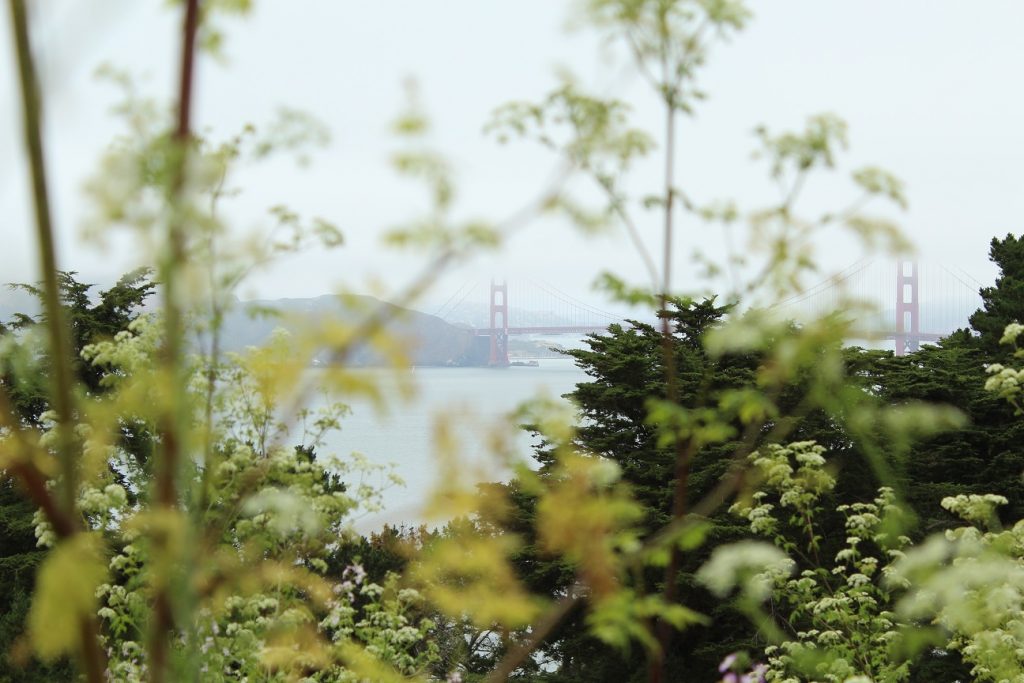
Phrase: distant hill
(427, 339)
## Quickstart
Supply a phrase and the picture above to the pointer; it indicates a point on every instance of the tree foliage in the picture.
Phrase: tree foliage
(92, 321)
(198, 528)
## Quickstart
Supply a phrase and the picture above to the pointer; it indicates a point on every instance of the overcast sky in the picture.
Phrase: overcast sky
(930, 89)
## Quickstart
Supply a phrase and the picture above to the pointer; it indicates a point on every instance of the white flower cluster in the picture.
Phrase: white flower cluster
(1004, 381)
(752, 566)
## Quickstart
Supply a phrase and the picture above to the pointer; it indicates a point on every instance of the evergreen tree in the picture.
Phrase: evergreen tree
(987, 455)
(1003, 303)
(626, 370)
(112, 311)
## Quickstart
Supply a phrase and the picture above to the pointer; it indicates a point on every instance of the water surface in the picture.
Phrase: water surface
(476, 399)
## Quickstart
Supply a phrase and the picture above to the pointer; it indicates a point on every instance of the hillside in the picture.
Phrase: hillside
(427, 339)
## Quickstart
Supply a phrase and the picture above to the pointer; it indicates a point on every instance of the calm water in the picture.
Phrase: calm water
(476, 398)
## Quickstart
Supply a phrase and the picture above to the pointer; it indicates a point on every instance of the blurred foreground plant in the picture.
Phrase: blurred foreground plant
(210, 558)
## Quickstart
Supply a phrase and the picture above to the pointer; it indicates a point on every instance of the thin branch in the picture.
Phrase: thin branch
(638, 56)
(683, 450)
(726, 487)
(31, 477)
(213, 361)
(378, 320)
(34, 483)
(173, 423)
(511, 661)
(62, 377)
(62, 397)
(794, 190)
(631, 230)
(383, 315)
(172, 261)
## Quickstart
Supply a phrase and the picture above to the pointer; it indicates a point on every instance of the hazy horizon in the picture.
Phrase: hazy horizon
(924, 86)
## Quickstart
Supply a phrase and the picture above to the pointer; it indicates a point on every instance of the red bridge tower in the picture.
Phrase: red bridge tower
(908, 325)
(499, 333)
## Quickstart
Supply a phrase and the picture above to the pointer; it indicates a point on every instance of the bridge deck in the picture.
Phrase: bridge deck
(581, 329)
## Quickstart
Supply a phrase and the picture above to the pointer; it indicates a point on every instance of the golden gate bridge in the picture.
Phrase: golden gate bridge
(912, 303)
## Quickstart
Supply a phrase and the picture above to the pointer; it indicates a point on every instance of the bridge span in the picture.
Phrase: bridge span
(930, 302)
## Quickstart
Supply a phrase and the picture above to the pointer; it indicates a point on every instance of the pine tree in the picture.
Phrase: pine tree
(626, 371)
(1003, 303)
(112, 311)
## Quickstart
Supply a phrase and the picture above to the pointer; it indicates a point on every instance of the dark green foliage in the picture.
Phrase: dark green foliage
(626, 371)
(378, 553)
(90, 321)
(986, 456)
(19, 558)
(626, 368)
(1003, 303)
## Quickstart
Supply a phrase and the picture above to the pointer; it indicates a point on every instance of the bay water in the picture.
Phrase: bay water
(475, 402)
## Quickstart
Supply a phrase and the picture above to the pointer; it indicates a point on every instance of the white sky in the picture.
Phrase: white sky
(930, 89)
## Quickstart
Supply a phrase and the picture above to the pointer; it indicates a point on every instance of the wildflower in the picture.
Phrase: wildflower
(357, 572)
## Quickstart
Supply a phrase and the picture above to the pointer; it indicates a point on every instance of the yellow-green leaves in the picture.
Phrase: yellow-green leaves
(625, 616)
(668, 39)
(65, 594)
(878, 181)
(675, 423)
(879, 234)
(816, 145)
(747, 404)
(732, 13)
(586, 519)
(917, 420)
(291, 234)
(361, 663)
(418, 161)
(291, 130)
(618, 290)
(468, 575)
(591, 132)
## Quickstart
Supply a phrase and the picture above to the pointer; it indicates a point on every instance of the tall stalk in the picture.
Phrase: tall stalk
(62, 381)
(170, 264)
(681, 468)
(173, 423)
(61, 378)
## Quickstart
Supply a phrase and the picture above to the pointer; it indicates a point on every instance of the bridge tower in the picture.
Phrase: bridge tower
(908, 325)
(499, 333)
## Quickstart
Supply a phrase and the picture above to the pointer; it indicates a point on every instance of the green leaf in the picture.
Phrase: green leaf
(65, 592)
(692, 535)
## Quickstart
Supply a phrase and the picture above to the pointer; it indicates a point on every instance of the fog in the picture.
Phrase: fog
(929, 89)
